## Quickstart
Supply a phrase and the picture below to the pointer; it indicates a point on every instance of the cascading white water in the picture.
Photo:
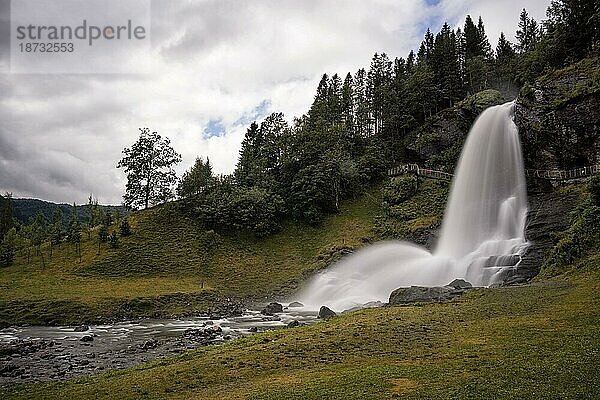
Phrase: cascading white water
(483, 232)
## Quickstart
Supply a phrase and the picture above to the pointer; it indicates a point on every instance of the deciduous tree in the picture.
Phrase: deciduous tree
(149, 168)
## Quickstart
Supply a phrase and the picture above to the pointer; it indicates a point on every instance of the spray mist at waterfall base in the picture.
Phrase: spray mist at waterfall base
(482, 234)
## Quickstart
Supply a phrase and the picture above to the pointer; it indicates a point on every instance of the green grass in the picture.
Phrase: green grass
(538, 342)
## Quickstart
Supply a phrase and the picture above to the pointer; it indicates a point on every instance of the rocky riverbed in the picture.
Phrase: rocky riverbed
(35, 353)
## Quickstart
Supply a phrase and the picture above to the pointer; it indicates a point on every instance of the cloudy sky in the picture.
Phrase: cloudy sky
(215, 66)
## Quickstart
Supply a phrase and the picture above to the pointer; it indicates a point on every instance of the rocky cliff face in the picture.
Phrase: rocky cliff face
(559, 118)
(439, 141)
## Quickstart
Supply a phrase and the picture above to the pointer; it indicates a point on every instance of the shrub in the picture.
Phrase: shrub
(114, 241)
(103, 233)
(399, 189)
(124, 228)
(594, 189)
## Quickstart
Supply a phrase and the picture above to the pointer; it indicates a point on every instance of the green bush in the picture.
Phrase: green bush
(114, 241)
(594, 189)
(233, 207)
(580, 240)
(399, 189)
(103, 233)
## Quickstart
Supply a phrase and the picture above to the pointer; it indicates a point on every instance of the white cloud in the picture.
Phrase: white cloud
(62, 135)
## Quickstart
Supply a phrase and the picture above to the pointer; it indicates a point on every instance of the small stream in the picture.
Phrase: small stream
(42, 353)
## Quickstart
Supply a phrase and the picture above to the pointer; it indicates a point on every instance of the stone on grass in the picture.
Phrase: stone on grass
(293, 324)
(421, 294)
(325, 313)
(460, 284)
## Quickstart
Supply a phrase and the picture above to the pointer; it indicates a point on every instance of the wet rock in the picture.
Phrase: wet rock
(87, 338)
(253, 329)
(7, 369)
(326, 313)
(272, 308)
(149, 344)
(549, 213)
(421, 294)
(82, 328)
(460, 284)
(295, 304)
(213, 330)
(294, 324)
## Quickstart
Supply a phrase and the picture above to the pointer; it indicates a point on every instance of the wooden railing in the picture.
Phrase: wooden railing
(557, 175)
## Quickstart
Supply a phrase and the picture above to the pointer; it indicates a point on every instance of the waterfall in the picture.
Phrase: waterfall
(482, 234)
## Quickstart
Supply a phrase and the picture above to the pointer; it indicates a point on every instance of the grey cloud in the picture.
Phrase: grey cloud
(62, 135)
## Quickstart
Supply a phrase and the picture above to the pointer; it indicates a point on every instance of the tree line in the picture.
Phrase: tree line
(39, 231)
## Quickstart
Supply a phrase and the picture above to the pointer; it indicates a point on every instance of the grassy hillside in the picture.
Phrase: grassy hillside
(158, 270)
(163, 268)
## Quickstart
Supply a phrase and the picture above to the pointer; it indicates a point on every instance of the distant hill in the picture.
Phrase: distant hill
(24, 209)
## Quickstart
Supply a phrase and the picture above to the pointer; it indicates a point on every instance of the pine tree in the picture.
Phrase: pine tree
(7, 221)
(113, 240)
(56, 232)
(334, 100)
(528, 32)
(38, 234)
(446, 66)
(484, 43)
(347, 107)
(575, 26)
(124, 227)
(8, 246)
(361, 122)
(74, 230)
(197, 179)
(472, 42)
(318, 114)
(504, 49)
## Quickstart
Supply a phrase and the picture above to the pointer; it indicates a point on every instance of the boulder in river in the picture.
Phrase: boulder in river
(326, 313)
(87, 338)
(82, 328)
(272, 309)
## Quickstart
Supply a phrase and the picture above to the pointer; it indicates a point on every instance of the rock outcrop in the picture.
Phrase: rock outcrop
(559, 118)
(549, 213)
(439, 140)
(422, 294)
